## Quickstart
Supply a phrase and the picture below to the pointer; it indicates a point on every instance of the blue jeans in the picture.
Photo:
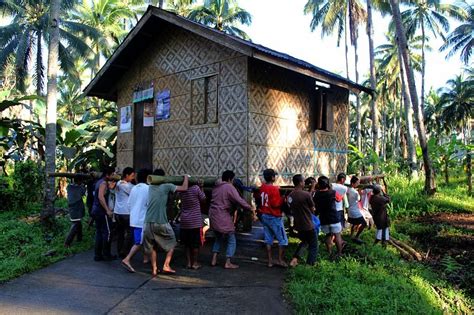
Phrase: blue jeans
(231, 243)
(308, 239)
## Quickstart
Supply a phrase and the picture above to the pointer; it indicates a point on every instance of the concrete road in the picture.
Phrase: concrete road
(78, 285)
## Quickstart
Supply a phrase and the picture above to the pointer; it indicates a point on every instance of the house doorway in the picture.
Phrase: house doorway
(142, 139)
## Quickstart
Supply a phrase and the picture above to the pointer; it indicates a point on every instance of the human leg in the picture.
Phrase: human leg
(216, 247)
(298, 251)
(154, 264)
(99, 241)
(312, 241)
(72, 233)
(126, 261)
(231, 247)
(79, 231)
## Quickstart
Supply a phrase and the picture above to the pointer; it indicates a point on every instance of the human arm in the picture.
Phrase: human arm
(185, 184)
(103, 202)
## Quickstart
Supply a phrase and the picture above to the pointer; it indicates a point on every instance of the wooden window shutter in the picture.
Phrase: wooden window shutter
(329, 117)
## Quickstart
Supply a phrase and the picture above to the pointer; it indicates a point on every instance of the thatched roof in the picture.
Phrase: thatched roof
(104, 83)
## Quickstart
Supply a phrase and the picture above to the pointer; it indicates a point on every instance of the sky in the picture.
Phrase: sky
(282, 26)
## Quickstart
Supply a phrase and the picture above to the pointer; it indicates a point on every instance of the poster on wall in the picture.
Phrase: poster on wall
(126, 119)
(163, 105)
(148, 115)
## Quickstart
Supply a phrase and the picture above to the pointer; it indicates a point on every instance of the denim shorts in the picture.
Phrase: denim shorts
(273, 228)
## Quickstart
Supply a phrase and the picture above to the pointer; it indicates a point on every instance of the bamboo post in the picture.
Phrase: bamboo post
(178, 180)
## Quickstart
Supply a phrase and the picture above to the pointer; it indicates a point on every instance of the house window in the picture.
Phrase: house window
(204, 100)
(323, 115)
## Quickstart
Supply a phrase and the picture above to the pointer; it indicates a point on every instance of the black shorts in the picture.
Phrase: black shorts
(191, 238)
(357, 221)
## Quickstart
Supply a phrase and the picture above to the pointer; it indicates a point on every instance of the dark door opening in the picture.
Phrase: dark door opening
(142, 140)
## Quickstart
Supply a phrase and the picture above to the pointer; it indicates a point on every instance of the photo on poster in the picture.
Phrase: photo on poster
(148, 115)
(126, 119)
(163, 105)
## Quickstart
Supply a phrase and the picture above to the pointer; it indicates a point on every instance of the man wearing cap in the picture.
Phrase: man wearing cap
(271, 216)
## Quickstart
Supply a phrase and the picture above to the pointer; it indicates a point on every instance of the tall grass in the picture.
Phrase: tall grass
(25, 246)
(408, 198)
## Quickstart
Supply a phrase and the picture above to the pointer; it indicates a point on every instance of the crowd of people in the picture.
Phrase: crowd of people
(137, 214)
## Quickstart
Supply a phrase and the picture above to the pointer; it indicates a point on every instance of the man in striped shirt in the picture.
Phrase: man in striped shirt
(191, 223)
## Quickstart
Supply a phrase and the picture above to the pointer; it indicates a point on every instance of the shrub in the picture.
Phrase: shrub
(28, 181)
(7, 194)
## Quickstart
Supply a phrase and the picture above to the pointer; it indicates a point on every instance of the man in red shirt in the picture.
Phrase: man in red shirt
(271, 217)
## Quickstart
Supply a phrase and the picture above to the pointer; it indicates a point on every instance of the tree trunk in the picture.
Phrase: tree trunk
(373, 99)
(430, 184)
(412, 163)
(384, 129)
(51, 107)
(346, 44)
(358, 109)
(39, 65)
(423, 67)
(446, 169)
(469, 172)
(396, 133)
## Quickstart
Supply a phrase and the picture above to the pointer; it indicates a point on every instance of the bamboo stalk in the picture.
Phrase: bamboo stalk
(402, 252)
(409, 249)
(178, 180)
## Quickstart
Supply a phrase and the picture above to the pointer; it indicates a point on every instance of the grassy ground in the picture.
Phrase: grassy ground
(25, 247)
(371, 279)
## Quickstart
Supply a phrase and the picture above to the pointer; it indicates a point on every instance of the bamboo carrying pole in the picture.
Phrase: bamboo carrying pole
(91, 175)
(178, 180)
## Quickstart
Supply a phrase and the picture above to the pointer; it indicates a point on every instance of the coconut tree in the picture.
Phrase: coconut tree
(180, 7)
(23, 40)
(462, 37)
(430, 184)
(428, 16)
(107, 18)
(342, 17)
(51, 105)
(222, 15)
(457, 104)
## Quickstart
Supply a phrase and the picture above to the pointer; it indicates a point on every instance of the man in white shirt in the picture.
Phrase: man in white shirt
(137, 205)
(341, 189)
(122, 213)
(355, 215)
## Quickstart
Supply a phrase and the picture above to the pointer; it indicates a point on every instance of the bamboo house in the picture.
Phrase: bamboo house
(195, 100)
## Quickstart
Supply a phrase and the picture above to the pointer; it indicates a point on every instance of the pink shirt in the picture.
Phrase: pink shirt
(224, 195)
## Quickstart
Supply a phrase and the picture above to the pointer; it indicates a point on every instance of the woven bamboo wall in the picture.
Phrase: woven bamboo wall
(173, 62)
(280, 136)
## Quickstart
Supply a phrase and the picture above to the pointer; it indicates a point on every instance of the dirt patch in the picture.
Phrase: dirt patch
(459, 220)
(446, 241)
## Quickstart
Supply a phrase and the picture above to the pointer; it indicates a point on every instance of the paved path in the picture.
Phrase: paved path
(78, 285)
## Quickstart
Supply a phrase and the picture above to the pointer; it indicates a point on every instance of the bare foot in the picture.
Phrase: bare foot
(168, 270)
(196, 266)
(270, 265)
(154, 273)
(127, 266)
(229, 265)
(294, 262)
(214, 260)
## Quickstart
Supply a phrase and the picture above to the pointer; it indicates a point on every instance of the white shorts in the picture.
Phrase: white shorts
(378, 234)
(331, 228)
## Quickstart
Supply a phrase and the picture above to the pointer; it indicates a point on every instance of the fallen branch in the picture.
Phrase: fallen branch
(402, 252)
(409, 249)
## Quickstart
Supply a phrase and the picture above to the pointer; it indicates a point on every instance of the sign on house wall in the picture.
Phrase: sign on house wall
(163, 105)
(126, 119)
(148, 115)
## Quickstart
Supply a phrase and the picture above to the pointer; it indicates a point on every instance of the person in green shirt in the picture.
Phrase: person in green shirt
(157, 229)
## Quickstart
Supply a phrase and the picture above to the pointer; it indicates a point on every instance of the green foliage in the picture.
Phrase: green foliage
(28, 181)
(408, 199)
(370, 279)
(25, 246)
(8, 196)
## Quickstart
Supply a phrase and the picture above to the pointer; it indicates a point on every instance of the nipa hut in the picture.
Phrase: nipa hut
(195, 100)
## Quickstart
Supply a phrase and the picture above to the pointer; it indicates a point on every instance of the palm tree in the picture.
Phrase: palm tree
(222, 15)
(390, 66)
(48, 212)
(107, 18)
(456, 104)
(343, 17)
(180, 7)
(23, 39)
(428, 15)
(462, 38)
(430, 184)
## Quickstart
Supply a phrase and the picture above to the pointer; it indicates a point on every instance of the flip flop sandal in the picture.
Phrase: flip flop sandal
(128, 267)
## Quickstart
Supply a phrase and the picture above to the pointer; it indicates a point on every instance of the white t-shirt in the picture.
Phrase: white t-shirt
(353, 199)
(137, 205)
(122, 192)
(341, 190)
